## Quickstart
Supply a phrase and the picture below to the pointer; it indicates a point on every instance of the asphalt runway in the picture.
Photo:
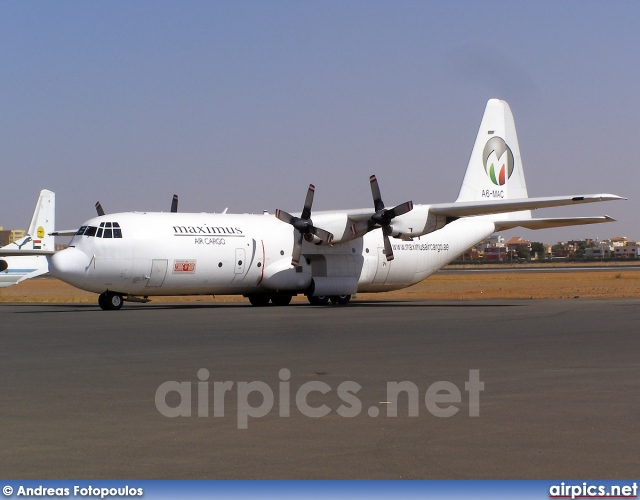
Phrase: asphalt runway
(561, 396)
(541, 269)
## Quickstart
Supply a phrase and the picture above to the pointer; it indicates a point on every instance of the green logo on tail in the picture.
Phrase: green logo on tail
(501, 168)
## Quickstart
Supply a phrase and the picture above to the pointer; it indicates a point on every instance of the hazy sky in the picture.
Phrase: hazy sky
(242, 104)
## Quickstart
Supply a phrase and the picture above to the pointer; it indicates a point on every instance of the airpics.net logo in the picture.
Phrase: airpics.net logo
(498, 160)
(312, 399)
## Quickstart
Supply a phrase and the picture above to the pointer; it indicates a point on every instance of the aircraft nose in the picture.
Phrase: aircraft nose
(69, 265)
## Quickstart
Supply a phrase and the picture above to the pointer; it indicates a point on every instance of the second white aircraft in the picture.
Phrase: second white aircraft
(327, 256)
(23, 264)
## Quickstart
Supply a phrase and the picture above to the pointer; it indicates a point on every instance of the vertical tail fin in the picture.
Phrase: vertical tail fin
(43, 222)
(495, 167)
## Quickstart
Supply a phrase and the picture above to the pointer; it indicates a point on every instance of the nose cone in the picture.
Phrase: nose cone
(70, 265)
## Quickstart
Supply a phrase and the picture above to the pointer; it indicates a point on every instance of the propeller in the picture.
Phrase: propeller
(174, 204)
(381, 218)
(304, 226)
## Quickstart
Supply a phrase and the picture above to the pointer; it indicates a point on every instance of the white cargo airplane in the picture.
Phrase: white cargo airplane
(24, 264)
(134, 255)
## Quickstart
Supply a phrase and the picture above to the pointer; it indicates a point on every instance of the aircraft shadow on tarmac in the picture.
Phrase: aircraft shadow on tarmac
(67, 308)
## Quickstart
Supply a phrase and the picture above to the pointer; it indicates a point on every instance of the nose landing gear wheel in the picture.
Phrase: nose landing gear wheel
(109, 301)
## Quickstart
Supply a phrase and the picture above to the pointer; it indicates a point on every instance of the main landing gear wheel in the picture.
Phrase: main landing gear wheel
(340, 299)
(281, 300)
(320, 300)
(259, 300)
(109, 301)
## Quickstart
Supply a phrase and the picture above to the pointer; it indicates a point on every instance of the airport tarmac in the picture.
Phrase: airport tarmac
(561, 395)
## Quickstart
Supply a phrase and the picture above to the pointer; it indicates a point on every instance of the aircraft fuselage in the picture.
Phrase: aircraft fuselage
(195, 254)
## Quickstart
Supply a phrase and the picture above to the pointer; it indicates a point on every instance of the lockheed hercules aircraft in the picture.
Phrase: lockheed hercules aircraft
(327, 256)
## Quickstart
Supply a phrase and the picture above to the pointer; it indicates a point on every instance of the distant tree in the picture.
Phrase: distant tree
(523, 252)
(537, 249)
(558, 246)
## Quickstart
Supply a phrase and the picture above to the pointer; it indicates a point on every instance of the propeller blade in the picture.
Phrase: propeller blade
(99, 209)
(375, 192)
(303, 225)
(306, 211)
(297, 250)
(388, 251)
(285, 217)
(325, 236)
(174, 204)
(401, 209)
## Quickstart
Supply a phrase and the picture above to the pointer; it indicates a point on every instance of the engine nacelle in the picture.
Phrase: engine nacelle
(4, 265)
(336, 224)
(282, 276)
(435, 222)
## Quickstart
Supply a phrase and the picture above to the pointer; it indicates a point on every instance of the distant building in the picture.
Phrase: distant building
(472, 253)
(492, 248)
(5, 236)
(618, 241)
(631, 250)
(10, 235)
(494, 240)
(515, 242)
(601, 250)
(498, 254)
(17, 234)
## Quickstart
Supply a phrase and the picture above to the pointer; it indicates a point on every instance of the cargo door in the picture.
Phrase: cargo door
(158, 273)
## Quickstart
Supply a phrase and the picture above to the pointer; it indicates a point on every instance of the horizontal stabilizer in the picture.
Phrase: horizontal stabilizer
(65, 232)
(550, 223)
(7, 252)
(470, 208)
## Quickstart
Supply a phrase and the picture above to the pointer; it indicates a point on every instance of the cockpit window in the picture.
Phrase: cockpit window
(106, 230)
(109, 230)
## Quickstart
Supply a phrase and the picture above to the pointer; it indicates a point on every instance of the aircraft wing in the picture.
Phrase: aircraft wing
(552, 222)
(470, 208)
(354, 215)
